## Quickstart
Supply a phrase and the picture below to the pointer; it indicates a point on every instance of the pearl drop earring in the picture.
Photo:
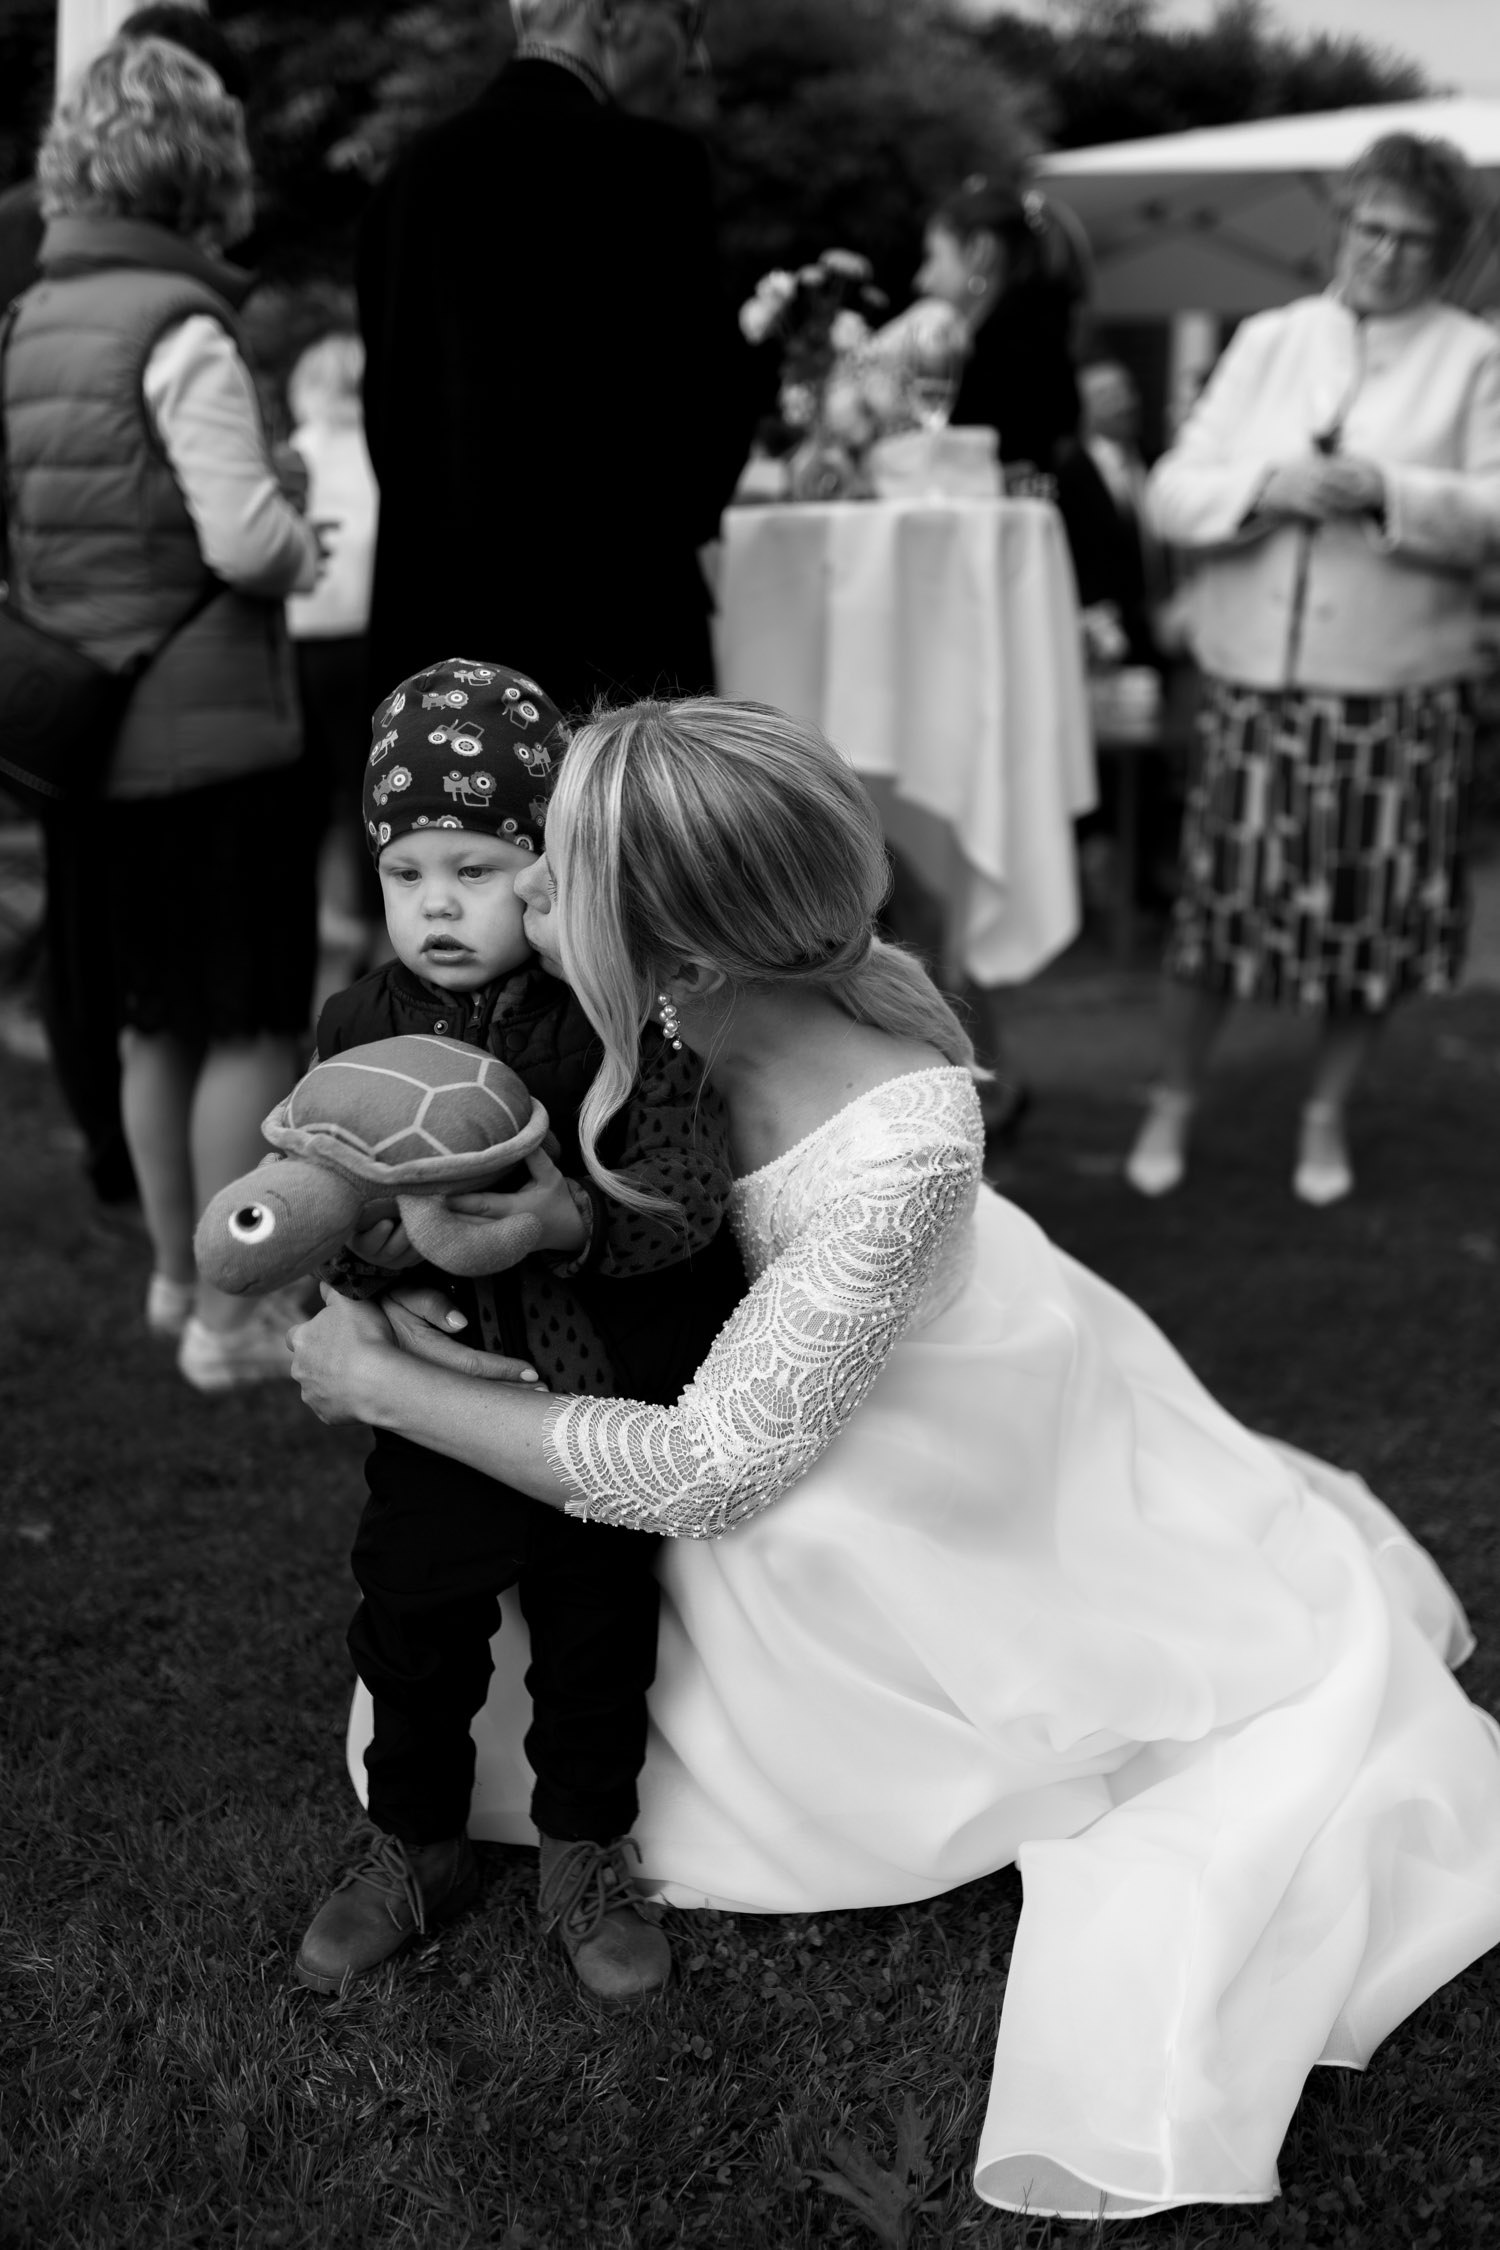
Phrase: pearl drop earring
(671, 1023)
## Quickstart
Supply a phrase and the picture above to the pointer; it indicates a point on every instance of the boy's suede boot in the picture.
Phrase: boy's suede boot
(588, 1896)
(395, 1894)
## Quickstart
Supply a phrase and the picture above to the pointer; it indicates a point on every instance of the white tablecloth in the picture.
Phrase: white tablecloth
(936, 644)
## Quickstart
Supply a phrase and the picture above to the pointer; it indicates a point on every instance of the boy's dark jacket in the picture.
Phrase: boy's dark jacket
(627, 1323)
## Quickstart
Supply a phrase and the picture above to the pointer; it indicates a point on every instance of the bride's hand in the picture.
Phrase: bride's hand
(341, 1356)
(422, 1320)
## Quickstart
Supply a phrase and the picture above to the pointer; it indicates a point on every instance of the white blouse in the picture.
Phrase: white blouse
(1377, 605)
(202, 404)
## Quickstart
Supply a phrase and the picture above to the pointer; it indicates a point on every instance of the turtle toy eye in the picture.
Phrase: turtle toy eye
(253, 1223)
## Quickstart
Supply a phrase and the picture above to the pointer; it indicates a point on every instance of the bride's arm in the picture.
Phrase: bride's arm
(787, 1371)
(783, 1378)
(474, 1409)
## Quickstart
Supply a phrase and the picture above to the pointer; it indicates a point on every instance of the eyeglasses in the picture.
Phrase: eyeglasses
(1402, 242)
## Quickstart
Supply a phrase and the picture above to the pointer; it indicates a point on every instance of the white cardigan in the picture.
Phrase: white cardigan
(202, 404)
(1383, 606)
(341, 493)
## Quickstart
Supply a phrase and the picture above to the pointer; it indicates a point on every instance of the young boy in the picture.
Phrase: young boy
(615, 1302)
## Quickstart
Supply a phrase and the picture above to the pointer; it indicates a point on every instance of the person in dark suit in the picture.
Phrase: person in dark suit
(1111, 443)
(1132, 840)
(556, 403)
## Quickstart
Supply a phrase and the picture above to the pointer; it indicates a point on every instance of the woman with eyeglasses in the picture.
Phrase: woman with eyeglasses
(1337, 487)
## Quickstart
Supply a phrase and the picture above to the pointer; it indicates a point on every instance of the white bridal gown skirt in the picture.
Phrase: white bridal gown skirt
(1044, 1600)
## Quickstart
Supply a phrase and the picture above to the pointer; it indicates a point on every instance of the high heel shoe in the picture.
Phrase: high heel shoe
(1157, 1162)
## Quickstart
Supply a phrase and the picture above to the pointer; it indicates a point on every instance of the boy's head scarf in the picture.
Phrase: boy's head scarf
(463, 745)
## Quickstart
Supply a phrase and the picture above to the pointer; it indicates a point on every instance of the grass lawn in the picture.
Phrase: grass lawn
(174, 1684)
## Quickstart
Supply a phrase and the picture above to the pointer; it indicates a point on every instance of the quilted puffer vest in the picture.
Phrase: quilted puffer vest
(103, 551)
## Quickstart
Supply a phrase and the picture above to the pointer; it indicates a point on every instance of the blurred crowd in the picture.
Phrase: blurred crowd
(516, 441)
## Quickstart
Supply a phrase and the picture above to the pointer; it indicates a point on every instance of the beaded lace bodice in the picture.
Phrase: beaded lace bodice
(854, 1237)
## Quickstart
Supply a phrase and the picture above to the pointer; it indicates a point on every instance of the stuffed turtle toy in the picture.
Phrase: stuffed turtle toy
(389, 1128)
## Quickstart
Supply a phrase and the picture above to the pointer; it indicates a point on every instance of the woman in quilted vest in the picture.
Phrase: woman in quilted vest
(147, 526)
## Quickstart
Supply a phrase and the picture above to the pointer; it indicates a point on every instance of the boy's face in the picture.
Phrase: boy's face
(451, 906)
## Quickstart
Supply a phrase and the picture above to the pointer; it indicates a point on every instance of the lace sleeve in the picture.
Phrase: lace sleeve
(786, 1372)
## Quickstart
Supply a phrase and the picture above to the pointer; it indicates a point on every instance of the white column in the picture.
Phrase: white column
(83, 27)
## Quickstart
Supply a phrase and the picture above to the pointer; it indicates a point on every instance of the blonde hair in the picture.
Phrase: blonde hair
(324, 386)
(729, 836)
(146, 131)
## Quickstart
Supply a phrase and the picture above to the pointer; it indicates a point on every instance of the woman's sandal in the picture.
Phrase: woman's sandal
(1324, 1174)
(1158, 1161)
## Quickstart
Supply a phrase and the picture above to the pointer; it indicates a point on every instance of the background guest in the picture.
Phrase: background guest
(1004, 262)
(1110, 437)
(147, 524)
(1001, 258)
(329, 627)
(548, 354)
(81, 1035)
(1131, 843)
(1338, 485)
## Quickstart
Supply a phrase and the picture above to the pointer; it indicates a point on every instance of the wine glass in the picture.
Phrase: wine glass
(932, 387)
(936, 351)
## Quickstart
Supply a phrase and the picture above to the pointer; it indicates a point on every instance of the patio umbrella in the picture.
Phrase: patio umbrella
(1233, 218)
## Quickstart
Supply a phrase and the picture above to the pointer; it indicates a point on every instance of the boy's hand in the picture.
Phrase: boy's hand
(385, 1242)
(546, 1197)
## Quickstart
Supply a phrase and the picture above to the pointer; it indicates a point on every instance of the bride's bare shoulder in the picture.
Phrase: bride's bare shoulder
(884, 1057)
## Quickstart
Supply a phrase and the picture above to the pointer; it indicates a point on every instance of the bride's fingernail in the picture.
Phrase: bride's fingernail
(528, 1374)
(454, 1320)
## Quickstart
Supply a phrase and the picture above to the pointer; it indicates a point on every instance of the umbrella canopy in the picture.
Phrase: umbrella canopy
(1233, 218)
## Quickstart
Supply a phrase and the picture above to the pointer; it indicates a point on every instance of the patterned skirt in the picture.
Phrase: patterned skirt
(1321, 862)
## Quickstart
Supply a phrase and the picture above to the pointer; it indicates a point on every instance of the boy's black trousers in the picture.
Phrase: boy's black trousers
(436, 1544)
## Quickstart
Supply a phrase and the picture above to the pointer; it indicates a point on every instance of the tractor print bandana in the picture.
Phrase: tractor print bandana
(463, 745)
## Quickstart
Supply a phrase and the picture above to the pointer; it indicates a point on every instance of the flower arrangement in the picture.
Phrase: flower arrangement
(818, 317)
(845, 384)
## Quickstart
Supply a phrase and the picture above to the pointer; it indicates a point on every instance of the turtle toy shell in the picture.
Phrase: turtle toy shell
(389, 1128)
(411, 1112)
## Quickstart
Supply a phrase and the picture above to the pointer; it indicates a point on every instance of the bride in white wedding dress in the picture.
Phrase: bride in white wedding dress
(967, 1566)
